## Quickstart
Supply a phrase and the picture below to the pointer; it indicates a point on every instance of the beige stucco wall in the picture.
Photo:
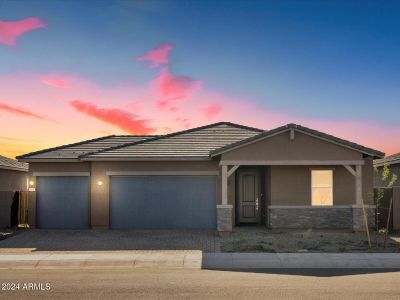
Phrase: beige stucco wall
(291, 185)
(100, 194)
(13, 180)
(280, 147)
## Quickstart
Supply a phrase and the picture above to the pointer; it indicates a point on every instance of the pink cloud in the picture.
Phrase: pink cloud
(136, 106)
(57, 82)
(21, 111)
(169, 88)
(157, 56)
(211, 110)
(118, 117)
(10, 31)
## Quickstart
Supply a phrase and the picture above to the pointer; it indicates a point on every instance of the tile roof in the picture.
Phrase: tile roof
(75, 150)
(391, 159)
(195, 143)
(11, 164)
(354, 146)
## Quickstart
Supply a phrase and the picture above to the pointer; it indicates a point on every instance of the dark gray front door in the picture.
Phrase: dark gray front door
(249, 197)
(62, 202)
(163, 202)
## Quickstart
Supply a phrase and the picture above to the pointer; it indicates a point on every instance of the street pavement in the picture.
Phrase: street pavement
(151, 283)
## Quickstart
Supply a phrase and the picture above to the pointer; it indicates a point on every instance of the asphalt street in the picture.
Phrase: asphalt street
(152, 283)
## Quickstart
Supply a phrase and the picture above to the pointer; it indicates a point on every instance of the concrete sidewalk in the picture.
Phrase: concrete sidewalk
(301, 260)
(197, 260)
(153, 259)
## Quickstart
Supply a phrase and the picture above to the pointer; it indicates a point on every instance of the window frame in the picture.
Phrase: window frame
(312, 187)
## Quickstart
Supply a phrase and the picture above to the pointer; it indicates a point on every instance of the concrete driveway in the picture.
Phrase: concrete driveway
(106, 240)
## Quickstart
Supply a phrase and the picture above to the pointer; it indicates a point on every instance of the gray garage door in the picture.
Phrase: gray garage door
(163, 202)
(62, 202)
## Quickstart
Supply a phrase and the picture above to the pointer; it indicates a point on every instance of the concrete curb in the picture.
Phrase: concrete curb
(183, 259)
(301, 260)
(199, 260)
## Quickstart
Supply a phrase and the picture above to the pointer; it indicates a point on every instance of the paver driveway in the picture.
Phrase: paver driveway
(105, 240)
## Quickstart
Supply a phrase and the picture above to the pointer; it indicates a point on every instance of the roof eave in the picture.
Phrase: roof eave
(388, 162)
(178, 158)
(9, 168)
(32, 160)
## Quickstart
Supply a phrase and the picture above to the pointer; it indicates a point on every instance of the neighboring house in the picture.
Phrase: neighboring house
(13, 175)
(393, 161)
(216, 176)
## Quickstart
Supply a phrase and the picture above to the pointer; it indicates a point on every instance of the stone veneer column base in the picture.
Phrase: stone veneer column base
(224, 219)
(358, 217)
(330, 217)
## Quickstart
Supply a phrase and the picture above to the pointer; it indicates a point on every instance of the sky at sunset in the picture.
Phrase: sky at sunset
(74, 70)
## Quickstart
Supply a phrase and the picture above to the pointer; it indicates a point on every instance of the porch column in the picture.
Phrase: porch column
(224, 211)
(359, 200)
(224, 178)
(358, 209)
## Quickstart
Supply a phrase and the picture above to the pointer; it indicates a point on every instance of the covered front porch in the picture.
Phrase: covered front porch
(298, 194)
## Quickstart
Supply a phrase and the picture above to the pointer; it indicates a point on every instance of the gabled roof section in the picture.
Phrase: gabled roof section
(74, 151)
(11, 164)
(318, 134)
(390, 160)
(195, 143)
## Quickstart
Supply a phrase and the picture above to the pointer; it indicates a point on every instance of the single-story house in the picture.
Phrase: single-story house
(215, 176)
(393, 162)
(13, 177)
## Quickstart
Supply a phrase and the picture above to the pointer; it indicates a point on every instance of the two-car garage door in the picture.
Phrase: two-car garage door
(136, 202)
(162, 202)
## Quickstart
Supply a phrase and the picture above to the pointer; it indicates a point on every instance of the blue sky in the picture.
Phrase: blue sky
(332, 60)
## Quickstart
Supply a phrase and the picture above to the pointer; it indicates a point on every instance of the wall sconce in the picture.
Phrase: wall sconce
(31, 183)
(99, 183)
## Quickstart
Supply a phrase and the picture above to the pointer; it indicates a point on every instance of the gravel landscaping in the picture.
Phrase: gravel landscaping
(259, 239)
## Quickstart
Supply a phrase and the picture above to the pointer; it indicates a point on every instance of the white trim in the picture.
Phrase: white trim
(290, 162)
(350, 169)
(310, 206)
(233, 169)
(49, 174)
(162, 173)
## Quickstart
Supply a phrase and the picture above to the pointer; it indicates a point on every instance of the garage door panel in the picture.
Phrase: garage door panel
(149, 202)
(62, 202)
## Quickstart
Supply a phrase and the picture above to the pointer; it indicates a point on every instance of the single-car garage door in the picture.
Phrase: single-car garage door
(62, 202)
(163, 202)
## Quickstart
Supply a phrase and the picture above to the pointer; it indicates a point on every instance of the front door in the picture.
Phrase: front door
(249, 196)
